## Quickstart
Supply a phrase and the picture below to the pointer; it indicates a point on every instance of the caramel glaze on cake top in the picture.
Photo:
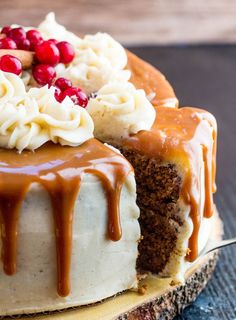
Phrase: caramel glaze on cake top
(185, 137)
(48, 166)
(145, 76)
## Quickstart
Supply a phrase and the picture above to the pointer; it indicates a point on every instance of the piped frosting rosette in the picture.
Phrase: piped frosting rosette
(119, 110)
(30, 119)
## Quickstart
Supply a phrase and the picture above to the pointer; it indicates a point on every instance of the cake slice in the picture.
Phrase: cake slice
(174, 166)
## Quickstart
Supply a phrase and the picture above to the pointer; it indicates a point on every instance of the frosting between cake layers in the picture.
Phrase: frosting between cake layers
(119, 110)
(29, 119)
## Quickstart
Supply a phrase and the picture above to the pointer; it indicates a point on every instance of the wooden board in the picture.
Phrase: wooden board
(160, 300)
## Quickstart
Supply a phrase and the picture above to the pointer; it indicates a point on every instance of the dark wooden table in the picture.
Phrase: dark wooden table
(205, 76)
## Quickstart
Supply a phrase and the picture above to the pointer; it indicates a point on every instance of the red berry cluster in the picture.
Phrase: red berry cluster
(47, 55)
(18, 38)
(64, 88)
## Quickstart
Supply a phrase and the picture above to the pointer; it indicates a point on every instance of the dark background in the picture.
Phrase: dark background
(205, 76)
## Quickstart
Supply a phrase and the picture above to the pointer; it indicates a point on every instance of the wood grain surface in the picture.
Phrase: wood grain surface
(134, 21)
(204, 76)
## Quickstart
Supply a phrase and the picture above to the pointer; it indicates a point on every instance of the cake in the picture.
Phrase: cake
(81, 126)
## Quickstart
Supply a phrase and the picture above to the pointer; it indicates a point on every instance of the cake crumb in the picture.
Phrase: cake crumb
(143, 289)
(175, 283)
(172, 284)
(188, 251)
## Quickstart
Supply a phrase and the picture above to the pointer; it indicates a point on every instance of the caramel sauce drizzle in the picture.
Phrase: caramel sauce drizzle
(185, 136)
(50, 166)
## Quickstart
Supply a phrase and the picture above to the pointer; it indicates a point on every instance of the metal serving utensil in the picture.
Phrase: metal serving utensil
(214, 245)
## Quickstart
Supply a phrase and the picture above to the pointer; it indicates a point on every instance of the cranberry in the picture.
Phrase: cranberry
(6, 30)
(11, 64)
(44, 74)
(24, 44)
(58, 94)
(7, 43)
(67, 52)
(47, 52)
(54, 41)
(34, 37)
(82, 99)
(17, 34)
(63, 83)
(76, 95)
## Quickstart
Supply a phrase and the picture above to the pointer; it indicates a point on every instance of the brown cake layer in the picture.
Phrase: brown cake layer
(158, 190)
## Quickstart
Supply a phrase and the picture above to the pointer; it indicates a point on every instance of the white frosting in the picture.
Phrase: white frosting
(120, 110)
(29, 119)
(10, 87)
(104, 46)
(50, 29)
(100, 267)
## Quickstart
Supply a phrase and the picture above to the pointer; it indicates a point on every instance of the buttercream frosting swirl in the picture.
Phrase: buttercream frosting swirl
(103, 45)
(30, 119)
(50, 29)
(119, 110)
(10, 86)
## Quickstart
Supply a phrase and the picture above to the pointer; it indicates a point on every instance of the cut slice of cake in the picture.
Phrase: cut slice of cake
(174, 166)
(175, 173)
